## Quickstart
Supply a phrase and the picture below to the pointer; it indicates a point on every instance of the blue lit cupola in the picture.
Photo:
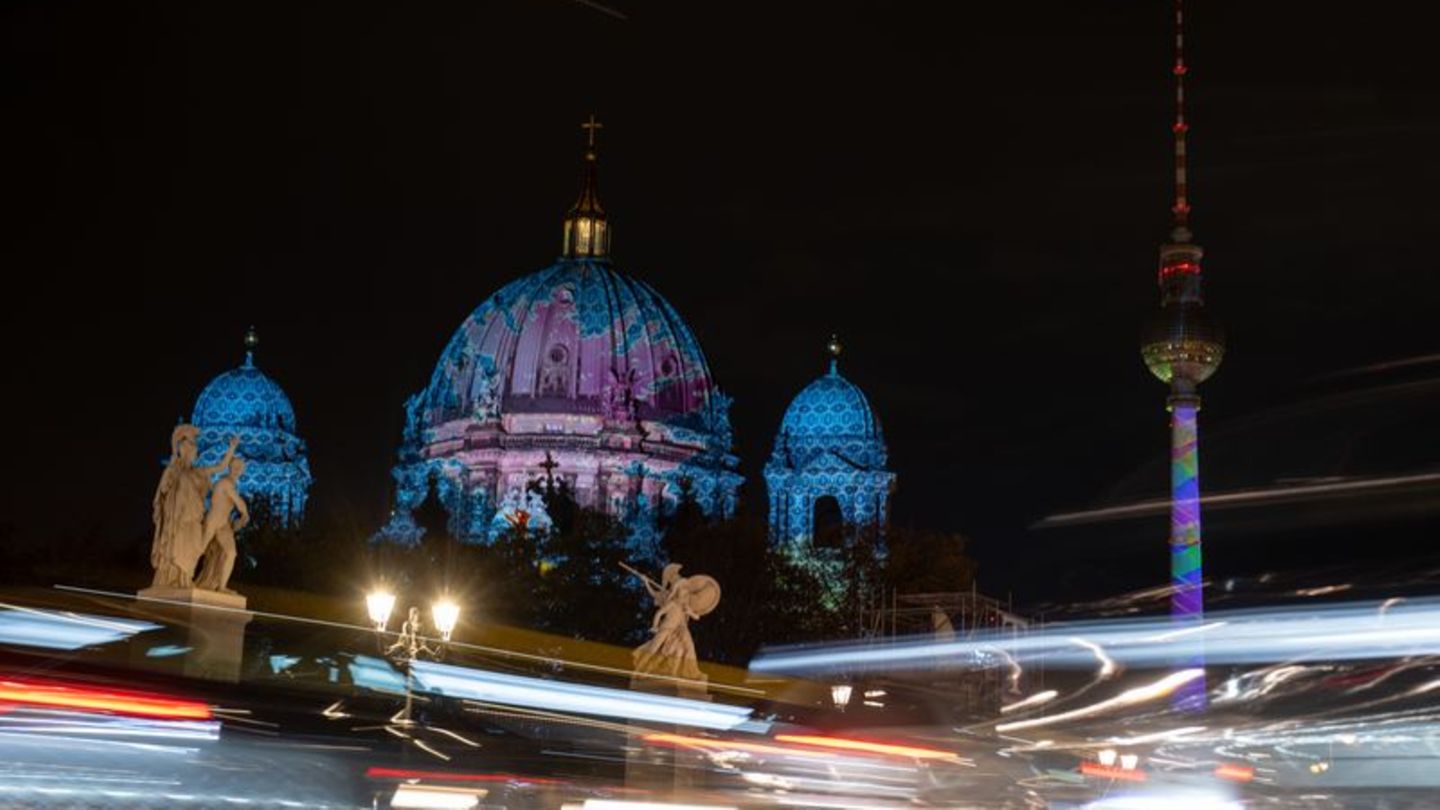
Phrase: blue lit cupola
(829, 448)
(245, 402)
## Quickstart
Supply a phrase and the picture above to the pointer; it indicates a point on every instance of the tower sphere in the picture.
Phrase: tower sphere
(1182, 345)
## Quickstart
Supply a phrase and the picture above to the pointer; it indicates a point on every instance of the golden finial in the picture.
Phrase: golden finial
(252, 339)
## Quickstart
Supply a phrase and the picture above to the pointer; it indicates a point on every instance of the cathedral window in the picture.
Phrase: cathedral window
(555, 375)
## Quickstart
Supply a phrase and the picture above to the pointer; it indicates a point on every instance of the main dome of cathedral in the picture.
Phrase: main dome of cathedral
(571, 338)
(579, 376)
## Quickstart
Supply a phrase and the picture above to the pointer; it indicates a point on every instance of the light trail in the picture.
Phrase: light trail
(539, 693)
(1130, 697)
(1353, 631)
(1245, 497)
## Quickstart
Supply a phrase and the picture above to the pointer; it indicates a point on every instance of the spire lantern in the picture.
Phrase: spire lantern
(252, 339)
(834, 348)
(587, 234)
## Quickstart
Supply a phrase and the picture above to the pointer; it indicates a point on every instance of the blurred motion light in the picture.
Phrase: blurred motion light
(840, 694)
(1106, 757)
(865, 746)
(1129, 761)
(380, 604)
(82, 698)
(1235, 773)
(617, 804)
(445, 614)
(435, 798)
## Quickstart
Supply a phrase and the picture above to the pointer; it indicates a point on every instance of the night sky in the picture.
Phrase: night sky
(971, 194)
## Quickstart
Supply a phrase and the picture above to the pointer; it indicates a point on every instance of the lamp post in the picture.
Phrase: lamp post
(409, 645)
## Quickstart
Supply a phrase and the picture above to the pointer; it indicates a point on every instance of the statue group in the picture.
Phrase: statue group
(196, 517)
(670, 652)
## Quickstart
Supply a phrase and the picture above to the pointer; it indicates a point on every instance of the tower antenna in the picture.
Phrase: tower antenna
(1180, 209)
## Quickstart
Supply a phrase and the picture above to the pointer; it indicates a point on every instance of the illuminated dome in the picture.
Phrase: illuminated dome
(829, 447)
(575, 338)
(244, 402)
(244, 397)
(577, 375)
(831, 415)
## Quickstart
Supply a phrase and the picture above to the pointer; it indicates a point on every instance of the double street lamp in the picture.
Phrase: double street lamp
(410, 645)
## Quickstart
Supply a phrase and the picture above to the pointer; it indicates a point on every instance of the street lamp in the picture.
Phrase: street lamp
(444, 615)
(409, 645)
(380, 604)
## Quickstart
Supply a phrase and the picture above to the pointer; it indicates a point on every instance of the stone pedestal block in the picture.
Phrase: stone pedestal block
(663, 769)
(210, 624)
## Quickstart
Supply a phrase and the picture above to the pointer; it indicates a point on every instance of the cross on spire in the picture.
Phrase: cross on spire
(590, 126)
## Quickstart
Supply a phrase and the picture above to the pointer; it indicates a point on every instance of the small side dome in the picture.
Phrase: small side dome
(829, 458)
(831, 415)
(244, 397)
(245, 403)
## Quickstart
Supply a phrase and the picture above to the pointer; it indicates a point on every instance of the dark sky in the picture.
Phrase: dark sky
(970, 193)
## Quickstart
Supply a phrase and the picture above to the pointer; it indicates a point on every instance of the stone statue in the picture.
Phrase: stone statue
(179, 510)
(716, 419)
(487, 394)
(670, 650)
(620, 396)
(218, 538)
(414, 413)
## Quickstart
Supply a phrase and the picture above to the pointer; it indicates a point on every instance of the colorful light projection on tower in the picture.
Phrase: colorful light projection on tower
(1185, 564)
(1183, 347)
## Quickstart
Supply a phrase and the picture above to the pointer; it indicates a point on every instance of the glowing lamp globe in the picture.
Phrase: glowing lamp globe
(445, 614)
(380, 605)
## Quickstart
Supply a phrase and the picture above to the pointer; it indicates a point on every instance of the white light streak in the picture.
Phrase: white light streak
(1130, 697)
(1335, 632)
(1037, 699)
(538, 693)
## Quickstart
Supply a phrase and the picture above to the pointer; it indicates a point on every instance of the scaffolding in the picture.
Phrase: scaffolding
(979, 683)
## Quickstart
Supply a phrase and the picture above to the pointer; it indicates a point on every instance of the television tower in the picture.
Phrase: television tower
(1182, 346)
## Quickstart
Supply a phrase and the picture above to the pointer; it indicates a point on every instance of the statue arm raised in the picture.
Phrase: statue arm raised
(224, 460)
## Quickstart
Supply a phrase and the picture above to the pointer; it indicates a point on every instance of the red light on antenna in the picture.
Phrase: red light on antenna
(1179, 268)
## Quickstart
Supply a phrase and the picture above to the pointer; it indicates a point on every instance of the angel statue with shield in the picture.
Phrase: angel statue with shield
(670, 652)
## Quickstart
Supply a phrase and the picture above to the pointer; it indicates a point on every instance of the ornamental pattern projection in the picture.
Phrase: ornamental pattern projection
(576, 372)
(829, 445)
(245, 402)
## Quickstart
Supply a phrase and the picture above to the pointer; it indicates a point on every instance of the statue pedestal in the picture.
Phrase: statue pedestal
(663, 769)
(210, 623)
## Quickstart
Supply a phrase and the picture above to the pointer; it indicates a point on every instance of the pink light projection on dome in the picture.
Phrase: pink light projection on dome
(577, 373)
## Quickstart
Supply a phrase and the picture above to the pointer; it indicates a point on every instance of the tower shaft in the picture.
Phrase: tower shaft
(1186, 566)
